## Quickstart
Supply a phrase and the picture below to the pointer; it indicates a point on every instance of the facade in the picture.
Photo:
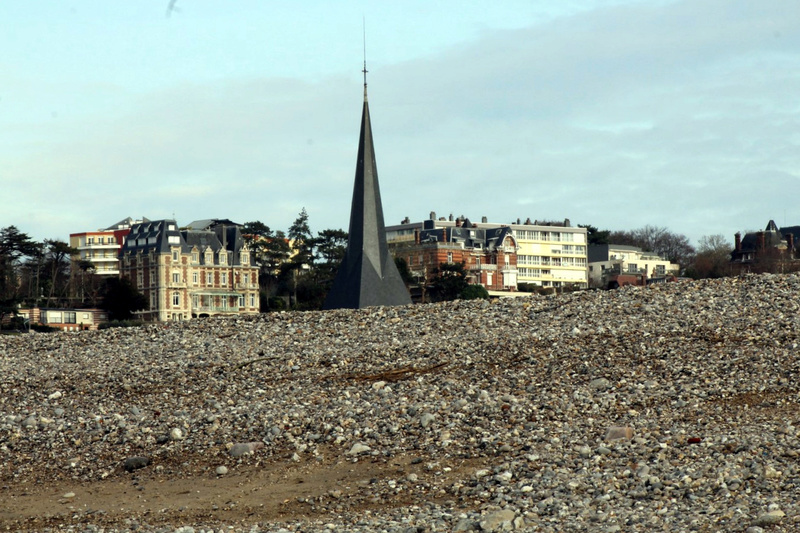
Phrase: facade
(489, 255)
(610, 262)
(101, 248)
(769, 245)
(201, 270)
(547, 254)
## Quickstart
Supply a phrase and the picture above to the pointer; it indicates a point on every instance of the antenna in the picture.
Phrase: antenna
(364, 26)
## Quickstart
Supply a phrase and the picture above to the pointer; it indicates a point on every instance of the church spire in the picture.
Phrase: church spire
(367, 275)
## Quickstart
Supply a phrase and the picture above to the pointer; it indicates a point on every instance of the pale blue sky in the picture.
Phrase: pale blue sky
(682, 114)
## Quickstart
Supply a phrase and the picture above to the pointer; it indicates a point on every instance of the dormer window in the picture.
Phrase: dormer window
(223, 258)
(209, 257)
(245, 259)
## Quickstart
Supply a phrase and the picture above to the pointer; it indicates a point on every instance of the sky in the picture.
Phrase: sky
(614, 113)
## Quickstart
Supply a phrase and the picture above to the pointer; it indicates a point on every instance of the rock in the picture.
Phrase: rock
(222, 470)
(426, 419)
(135, 463)
(358, 448)
(619, 433)
(176, 434)
(769, 518)
(498, 520)
(600, 384)
(245, 448)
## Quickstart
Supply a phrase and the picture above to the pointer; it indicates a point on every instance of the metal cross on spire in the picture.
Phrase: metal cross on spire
(365, 58)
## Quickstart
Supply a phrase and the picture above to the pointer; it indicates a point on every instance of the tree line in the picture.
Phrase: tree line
(711, 258)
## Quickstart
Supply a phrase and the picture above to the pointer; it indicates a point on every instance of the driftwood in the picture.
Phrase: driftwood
(395, 374)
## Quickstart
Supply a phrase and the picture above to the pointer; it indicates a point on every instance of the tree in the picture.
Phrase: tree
(659, 240)
(14, 245)
(329, 248)
(594, 235)
(121, 299)
(301, 240)
(269, 251)
(449, 282)
(474, 292)
(57, 264)
(712, 259)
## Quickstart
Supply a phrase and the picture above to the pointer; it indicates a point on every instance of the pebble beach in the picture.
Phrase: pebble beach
(667, 408)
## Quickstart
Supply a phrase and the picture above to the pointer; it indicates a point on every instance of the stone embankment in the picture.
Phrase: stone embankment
(670, 408)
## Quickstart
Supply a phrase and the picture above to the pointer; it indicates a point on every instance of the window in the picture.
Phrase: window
(209, 278)
(174, 255)
(245, 259)
(478, 262)
(195, 277)
(252, 300)
(174, 239)
(661, 270)
(507, 259)
(223, 258)
(195, 301)
(224, 280)
(90, 240)
(449, 257)
(139, 279)
(176, 277)
(246, 279)
(209, 258)
(195, 257)
(633, 267)
(176, 299)
(241, 300)
(70, 317)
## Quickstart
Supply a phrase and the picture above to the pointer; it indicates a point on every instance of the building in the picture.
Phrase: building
(547, 254)
(610, 264)
(489, 255)
(65, 319)
(101, 248)
(765, 248)
(201, 270)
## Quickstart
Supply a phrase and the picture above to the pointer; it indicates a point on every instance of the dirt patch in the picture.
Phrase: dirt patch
(278, 492)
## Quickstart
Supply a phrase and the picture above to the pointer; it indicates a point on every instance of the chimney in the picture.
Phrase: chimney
(458, 222)
(433, 215)
(528, 221)
(444, 234)
(790, 244)
(484, 220)
(416, 236)
(451, 217)
(762, 243)
(738, 238)
(566, 223)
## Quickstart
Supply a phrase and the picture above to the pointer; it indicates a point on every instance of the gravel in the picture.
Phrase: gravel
(671, 408)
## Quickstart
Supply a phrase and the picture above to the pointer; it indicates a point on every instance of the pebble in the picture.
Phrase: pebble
(245, 448)
(569, 412)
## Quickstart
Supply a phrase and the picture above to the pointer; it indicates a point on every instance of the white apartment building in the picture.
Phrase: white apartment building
(615, 259)
(101, 248)
(549, 254)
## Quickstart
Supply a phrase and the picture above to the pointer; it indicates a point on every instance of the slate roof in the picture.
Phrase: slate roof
(367, 275)
(216, 235)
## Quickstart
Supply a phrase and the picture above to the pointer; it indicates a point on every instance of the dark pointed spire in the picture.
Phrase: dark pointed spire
(367, 275)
